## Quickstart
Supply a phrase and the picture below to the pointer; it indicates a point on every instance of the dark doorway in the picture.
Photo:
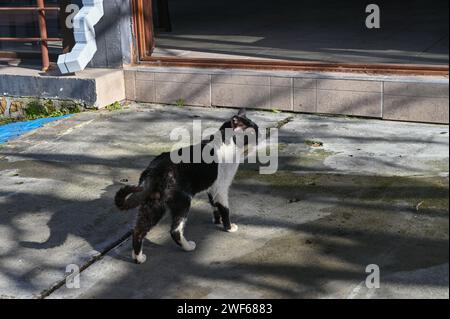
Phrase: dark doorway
(412, 31)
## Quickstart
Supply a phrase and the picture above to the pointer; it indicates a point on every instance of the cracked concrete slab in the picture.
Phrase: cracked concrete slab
(375, 193)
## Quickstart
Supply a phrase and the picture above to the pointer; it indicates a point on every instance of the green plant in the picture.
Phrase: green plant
(180, 102)
(57, 113)
(114, 106)
(71, 107)
(49, 106)
(35, 110)
(275, 110)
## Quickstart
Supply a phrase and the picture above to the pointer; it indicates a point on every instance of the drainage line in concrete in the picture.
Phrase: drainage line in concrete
(278, 125)
(46, 293)
(282, 123)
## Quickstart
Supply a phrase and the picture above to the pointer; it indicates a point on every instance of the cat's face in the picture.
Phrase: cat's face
(241, 124)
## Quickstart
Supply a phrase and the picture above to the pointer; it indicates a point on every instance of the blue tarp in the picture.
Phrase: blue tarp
(14, 130)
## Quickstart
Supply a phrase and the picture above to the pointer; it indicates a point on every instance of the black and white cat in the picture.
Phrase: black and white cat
(166, 185)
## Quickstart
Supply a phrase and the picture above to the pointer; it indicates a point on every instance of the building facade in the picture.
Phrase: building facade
(327, 58)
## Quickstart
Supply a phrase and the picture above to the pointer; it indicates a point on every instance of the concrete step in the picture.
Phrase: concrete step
(390, 97)
(95, 88)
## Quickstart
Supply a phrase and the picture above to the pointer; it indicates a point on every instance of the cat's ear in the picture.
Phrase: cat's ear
(242, 112)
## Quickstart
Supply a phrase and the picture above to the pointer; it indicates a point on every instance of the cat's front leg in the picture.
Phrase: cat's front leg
(217, 220)
(219, 200)
(225, 216)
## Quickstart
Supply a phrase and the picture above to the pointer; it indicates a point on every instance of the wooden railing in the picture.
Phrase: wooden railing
(43, 38)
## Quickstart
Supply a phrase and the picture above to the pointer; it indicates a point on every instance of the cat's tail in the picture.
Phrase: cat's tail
(129, 197)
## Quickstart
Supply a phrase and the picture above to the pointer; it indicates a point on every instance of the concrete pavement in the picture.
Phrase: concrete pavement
(375, 193)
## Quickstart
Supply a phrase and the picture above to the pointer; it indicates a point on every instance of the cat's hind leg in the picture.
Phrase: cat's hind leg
(179, 205)
(149, 216)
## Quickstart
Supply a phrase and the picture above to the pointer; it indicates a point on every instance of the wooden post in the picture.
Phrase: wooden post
(148, 25)
(43, 35)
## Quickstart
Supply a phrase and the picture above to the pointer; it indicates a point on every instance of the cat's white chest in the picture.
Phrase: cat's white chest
(228, 163)
(226, 173)
(226, 170)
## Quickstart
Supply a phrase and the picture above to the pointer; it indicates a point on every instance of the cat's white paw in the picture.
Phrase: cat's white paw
(233, 228)
(139, 259)
(189, 246)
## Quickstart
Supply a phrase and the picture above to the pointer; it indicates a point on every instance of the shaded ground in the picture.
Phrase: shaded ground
(375, 193)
